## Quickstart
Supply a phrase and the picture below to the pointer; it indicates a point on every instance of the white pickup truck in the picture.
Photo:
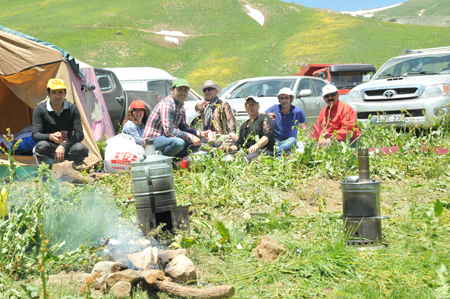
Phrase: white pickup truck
(412, 88)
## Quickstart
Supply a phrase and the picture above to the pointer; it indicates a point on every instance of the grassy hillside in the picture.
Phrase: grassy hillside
(420, 12)
(224, 43)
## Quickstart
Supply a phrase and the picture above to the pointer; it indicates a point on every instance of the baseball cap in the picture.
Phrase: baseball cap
(56, 84)
(327, 89)
(137, 105)
(286, 90)
(180, 82)
(251, 98)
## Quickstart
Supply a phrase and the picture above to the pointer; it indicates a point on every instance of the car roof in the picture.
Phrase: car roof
(140, 73)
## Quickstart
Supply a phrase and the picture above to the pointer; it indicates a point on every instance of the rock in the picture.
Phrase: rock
(150, 258)
(65, 172)
(113, 278)
(122, 289)
(246, 215)
(104, 268)
(268, 249)
(181, 268)
(136, 259)
(164, 257)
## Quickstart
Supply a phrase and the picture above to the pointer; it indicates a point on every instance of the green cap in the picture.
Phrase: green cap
(180, 82)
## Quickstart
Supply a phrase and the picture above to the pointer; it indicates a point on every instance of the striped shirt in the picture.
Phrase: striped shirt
(222, 119)
(168, 119)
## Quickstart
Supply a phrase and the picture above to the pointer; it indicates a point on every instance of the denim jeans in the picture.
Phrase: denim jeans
(173, 146)
(283, 146)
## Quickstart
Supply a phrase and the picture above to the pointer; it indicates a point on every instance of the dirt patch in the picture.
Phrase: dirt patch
(315, 196)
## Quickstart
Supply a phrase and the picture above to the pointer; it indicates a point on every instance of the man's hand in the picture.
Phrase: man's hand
(196, 141)
(253, 148)
(325, 141)
(272, 115)
(204, 134)
(234, 137)
(56, 137)
(59, 153)
(201, 105)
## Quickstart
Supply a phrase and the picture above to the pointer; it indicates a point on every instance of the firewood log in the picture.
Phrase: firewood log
(176, 289)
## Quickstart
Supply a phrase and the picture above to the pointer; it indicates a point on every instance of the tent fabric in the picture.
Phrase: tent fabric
(25, 68)
(94, 104)
(64, 53)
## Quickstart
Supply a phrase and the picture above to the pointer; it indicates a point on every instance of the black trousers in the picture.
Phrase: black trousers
(76, 153)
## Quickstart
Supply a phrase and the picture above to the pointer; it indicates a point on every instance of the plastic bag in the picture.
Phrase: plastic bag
(120, 151)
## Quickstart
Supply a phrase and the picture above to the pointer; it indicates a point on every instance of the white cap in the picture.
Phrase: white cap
(286, 90)
(327, 89)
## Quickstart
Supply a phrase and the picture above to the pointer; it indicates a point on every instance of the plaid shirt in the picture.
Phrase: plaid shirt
(168, 119)
(134, 130)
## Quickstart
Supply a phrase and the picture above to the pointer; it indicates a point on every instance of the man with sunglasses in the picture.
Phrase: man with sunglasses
(286, 118)
(167, 125)
(337, 117)
(217, 115)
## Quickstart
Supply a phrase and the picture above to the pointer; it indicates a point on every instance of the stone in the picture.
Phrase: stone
(104, 268)
(66, 172)
(181, 268)
(150, 258)
(113, 278)
(122, 289)
(165, 256)
(268, 249)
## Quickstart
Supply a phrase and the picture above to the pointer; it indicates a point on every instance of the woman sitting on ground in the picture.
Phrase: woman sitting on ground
(256, 134)
(135, 121)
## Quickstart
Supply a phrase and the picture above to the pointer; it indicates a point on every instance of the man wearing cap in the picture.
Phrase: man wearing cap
(217, 115)
(256, 134)
(337, 117)
(287, 118)
(57, 128)
(167, 125)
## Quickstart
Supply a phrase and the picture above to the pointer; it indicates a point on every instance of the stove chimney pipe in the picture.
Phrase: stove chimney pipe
(363, 165)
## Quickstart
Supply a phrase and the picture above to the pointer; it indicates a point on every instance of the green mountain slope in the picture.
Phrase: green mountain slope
(224, 43)
(420, 12)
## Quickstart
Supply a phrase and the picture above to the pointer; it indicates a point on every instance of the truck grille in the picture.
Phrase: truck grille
(396, 94)
(407, 113)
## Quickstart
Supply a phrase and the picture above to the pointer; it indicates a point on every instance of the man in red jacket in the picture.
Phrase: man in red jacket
(337, 117)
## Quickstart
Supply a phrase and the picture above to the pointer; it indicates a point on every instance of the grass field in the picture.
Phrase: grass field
(224, 43)
(295, 200)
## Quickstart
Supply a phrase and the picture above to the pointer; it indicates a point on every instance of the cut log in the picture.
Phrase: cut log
(175, 289)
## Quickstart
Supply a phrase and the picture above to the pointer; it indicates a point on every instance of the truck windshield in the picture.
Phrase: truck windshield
(424, 65)
(348, 80)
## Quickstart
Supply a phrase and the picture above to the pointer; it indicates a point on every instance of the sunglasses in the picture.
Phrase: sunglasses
(330, 95)
(208, 89)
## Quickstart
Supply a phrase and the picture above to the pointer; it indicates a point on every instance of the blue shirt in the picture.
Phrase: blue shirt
(134, 130)
(283, 123)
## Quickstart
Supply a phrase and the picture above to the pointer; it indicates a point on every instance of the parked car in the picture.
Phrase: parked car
(118, 100)
(306, 90)
(412, 88)
(160, 81)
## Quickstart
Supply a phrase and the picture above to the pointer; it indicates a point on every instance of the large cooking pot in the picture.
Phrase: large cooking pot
(361, 199)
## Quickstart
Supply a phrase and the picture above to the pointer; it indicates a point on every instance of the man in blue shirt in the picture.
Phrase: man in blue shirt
(286, 119)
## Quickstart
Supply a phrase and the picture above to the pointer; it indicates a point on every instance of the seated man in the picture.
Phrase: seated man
(337, 117)
(167, 125)
(286, 119)
(256, 134)
(57, 128)
(217, 115)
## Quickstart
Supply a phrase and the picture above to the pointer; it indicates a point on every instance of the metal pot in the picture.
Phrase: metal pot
(361, 199)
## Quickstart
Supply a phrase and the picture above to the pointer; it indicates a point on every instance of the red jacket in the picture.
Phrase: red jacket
(341, 119)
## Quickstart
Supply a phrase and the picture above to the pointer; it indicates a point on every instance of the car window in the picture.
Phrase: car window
(105, 81)
(160, 86)
(262, 88)
(318, 85)
(227, 88)
(306, 84)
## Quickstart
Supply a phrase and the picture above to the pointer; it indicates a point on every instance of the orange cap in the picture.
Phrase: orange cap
(137, 105)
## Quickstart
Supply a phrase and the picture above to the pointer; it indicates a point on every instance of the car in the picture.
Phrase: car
(411, 88)
(160, 81)
(307, 94)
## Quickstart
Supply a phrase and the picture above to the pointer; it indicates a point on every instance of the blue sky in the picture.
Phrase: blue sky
(346, 5)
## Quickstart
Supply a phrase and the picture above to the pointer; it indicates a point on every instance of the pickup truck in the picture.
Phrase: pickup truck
(118, 100)
(343, 76)
(410, 89)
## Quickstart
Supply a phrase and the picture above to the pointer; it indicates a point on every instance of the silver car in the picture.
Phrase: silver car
(412, 88)
(306, 90)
